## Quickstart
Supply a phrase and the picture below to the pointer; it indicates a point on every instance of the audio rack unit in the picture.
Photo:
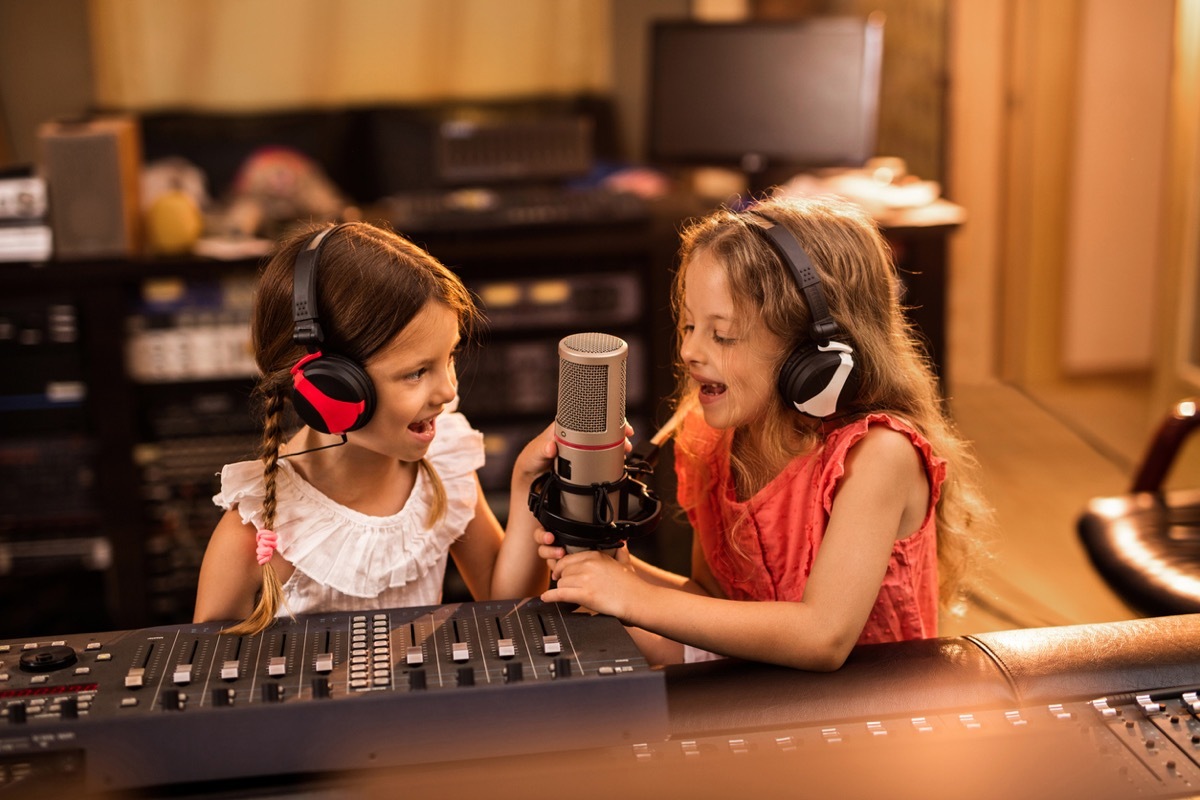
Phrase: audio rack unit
(24, 230)
(327, 692)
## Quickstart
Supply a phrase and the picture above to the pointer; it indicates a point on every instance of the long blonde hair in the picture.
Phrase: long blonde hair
(863, 293)
(371, 283)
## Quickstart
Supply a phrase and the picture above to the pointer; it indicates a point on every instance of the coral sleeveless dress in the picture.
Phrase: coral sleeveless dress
(779, 530)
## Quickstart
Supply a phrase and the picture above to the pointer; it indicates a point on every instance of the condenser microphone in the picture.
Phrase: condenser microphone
(591, 499)
(589, 426)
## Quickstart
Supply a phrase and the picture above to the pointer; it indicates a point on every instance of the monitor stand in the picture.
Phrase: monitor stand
(763, 175)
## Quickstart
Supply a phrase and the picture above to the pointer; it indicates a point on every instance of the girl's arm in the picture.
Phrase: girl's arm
(519, 572)
(505, 565)
(883, 495)
(475, 551)
(229, 575)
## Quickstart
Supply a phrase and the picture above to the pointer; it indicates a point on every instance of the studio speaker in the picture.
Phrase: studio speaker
(91, 167)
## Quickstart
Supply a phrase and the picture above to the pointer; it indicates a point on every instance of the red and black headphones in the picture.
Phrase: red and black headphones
(331, 393)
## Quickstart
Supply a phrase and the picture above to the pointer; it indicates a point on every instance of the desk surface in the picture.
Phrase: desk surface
(938, 214)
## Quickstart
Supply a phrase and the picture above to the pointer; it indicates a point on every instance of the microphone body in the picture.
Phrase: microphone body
(591, 499)
(590, 425)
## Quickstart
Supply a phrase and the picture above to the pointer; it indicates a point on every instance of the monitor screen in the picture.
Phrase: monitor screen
(765, 94)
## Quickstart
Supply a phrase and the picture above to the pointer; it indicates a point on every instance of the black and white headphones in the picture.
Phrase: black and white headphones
(331, 393)
(819, 376)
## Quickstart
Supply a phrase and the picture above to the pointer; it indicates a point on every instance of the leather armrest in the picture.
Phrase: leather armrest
(1089, 661)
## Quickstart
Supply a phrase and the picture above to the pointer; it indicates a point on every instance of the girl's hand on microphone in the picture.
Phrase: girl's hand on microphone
(599, 582)
(535, 458)
(547, 549)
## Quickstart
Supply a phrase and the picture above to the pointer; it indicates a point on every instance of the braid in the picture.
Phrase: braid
(271, 596)
(273, 435)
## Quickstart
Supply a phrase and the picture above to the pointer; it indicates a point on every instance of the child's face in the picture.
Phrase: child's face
(732, 360)
(414, 379)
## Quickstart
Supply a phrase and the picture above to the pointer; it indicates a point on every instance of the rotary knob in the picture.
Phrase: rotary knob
(48, 659)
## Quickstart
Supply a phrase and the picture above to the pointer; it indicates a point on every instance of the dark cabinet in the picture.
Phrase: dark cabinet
(127, 387)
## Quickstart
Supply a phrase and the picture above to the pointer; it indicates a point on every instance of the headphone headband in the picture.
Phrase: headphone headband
(818, 377)
(793, 255)
(304, 291)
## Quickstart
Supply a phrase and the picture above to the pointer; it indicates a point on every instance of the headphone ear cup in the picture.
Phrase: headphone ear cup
(819, 380)
(332, 394)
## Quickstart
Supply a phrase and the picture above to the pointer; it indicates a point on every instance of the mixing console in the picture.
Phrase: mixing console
(324, 692)
(514, 699)
(1139, 745)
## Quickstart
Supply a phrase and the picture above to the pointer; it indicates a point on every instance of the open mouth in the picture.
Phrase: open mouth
(423, 427)
(712, 389)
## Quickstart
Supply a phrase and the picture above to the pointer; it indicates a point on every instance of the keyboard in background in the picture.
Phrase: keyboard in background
(484, 209)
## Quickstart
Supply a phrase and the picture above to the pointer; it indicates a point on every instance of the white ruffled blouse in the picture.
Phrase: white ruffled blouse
(348, 561)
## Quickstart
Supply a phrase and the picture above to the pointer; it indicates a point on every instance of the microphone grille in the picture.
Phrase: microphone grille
(593, 343)
(583, 388)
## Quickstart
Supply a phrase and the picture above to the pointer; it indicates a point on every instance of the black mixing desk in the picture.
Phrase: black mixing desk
(177, 705)
(524, 699)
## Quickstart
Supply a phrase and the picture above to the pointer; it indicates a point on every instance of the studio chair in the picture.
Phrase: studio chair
(1146, 544)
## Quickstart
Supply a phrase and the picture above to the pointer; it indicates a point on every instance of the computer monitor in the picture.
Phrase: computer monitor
(765, 96)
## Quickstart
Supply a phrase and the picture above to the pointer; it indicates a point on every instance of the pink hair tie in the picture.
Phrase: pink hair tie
(265, 541)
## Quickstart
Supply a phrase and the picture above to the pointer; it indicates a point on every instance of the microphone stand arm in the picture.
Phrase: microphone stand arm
(644, 456)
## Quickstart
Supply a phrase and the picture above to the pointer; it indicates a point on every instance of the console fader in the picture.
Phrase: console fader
(332, 691)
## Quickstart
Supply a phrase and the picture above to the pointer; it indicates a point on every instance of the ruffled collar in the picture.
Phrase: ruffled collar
(355, 553)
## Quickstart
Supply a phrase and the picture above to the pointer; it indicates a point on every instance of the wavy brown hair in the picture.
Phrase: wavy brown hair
(371, 282)
(863, 292)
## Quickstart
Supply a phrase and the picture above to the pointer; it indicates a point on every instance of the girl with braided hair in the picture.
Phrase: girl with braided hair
(385, 490)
